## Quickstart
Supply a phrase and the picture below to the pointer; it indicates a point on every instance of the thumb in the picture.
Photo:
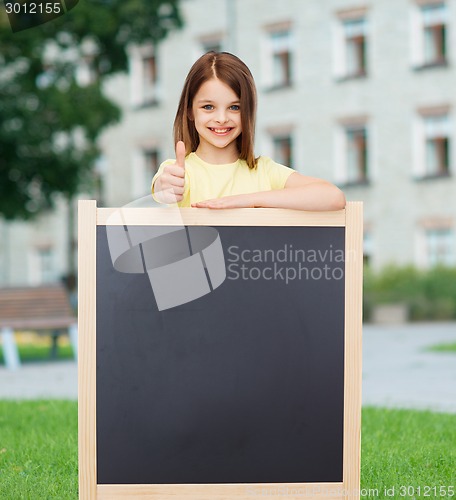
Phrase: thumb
(180, 154)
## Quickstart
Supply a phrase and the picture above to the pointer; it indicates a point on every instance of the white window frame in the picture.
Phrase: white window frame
(37, 275)
(202, 43)
(276, 157)
(340, 42)
(448, 242)
(342, 175)
(418, 23)
(142, 93)
(141, 178)
(423, 131)
(270, 48)
(210, 42)
(425, 255)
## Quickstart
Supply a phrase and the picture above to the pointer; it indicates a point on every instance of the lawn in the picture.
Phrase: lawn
(38, 450)
(445, 347)
(400, 448)
(410, 451)
(33, 351)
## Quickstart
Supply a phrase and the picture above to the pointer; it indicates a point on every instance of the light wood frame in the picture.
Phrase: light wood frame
(352, 219)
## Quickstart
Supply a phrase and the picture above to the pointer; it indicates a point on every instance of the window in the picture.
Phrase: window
(281, 59)
(283, 150)
(42, 266)
(437, 145)
(434, 33)
(278, 58)
(433, 144)
(145, 163)
(212, 44)
(429, 34)
(145, 83)
(351, 44)
(355, 42)
(46, 263)
(356, 153)
(440, 246)
(215, 42)
(152, 163)
(352, 161)
(149, 74)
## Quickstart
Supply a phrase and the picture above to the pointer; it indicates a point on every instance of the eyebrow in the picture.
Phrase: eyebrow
(211, 102)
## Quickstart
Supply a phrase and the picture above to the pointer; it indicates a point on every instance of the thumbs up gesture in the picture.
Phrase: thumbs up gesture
(169, 186)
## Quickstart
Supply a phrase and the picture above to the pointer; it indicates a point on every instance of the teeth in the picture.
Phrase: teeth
(220, 130)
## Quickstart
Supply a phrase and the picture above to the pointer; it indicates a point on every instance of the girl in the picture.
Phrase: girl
(215, 166)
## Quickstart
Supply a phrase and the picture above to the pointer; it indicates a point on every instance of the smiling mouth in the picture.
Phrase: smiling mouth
(221, 131)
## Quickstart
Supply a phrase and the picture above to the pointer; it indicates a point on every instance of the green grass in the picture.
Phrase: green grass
(407, 448)
(449, 347)
(40, 352)
(38, 451)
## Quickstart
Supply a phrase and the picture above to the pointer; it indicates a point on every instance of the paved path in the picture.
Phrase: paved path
(397, 370)
(54, 380)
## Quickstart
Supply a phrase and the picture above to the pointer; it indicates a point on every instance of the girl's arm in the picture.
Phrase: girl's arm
(300, 193)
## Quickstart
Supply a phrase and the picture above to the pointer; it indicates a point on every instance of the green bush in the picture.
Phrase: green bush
(428, 294)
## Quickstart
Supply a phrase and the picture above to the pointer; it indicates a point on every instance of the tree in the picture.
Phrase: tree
(49, 119)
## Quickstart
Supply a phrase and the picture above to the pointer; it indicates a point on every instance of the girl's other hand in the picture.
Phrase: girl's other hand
(235, 201)
(169, 186)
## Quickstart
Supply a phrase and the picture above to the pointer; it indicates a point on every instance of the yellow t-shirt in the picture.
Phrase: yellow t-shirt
(205, 181)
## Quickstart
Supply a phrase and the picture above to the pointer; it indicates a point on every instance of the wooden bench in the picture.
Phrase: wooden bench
(44, 309)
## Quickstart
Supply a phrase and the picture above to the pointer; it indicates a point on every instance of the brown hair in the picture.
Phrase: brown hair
(233, 72)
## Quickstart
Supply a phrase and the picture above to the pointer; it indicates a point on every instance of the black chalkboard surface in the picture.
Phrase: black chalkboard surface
(244, 384)
(219, 353)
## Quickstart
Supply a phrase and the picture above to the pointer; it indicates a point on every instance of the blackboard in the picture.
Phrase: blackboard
(247, 384)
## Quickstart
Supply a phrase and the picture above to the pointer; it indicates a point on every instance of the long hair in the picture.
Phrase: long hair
(233, 72)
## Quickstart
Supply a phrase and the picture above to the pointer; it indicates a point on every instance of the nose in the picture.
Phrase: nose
(221, 116)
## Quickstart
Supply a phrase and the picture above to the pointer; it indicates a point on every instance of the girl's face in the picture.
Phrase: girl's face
(217, 116)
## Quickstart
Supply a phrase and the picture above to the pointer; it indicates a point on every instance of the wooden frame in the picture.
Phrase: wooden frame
(351, 219)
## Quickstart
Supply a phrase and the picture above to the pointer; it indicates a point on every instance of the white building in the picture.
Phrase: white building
(35, 253)
(360, 93)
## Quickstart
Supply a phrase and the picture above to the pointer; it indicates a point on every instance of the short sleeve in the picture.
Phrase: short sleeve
(276, 172)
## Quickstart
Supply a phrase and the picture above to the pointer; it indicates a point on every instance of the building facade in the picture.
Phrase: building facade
(360, 93)
(35, 253)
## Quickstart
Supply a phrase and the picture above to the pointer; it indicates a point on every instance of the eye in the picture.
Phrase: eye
(235, 107)
(208, 107)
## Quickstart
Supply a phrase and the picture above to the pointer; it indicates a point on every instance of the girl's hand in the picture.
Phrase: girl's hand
(235, 201)
(170, 185)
